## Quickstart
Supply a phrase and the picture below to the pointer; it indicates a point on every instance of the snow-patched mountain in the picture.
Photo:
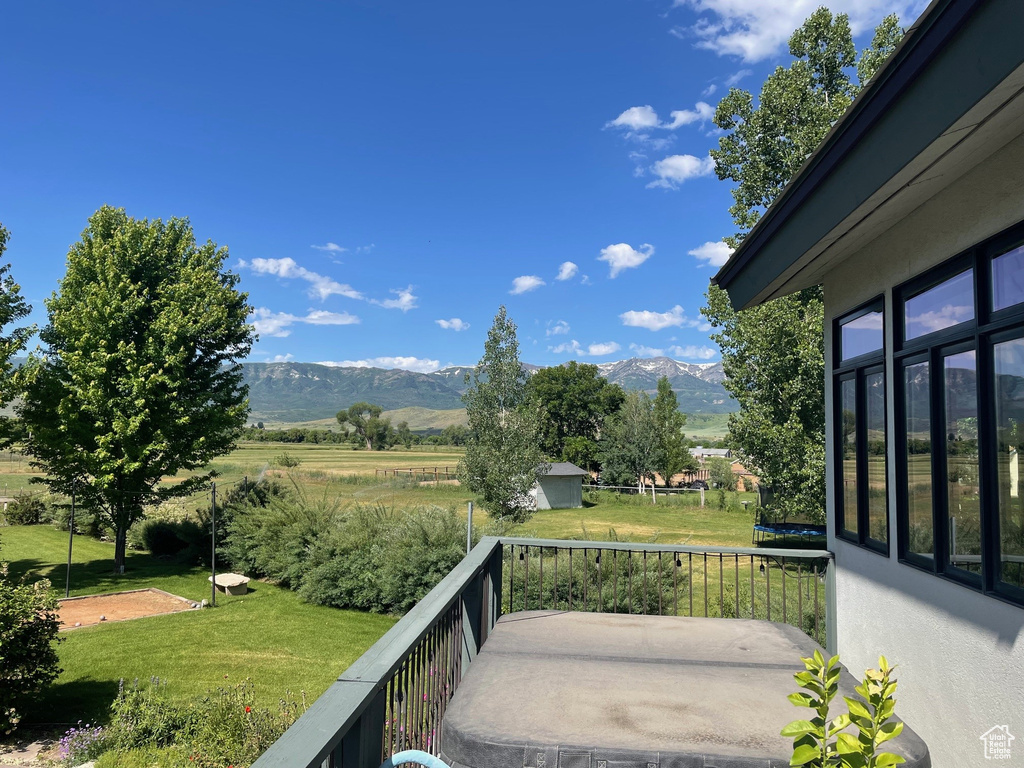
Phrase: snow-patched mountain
(308, 391)
(698, 386)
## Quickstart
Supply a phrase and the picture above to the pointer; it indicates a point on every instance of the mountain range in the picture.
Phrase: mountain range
(293, 392)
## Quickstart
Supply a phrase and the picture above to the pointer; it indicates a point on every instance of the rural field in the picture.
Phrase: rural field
(270, 635)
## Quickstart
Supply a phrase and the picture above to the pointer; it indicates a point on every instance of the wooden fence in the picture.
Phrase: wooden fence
(418, 473)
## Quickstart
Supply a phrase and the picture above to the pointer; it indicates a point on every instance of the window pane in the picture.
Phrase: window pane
(962, 476)
(874, 386)
(1009, 384)
(861, 335)
(1008, 279)
(848, 396)
(941, 306)
(917, 393)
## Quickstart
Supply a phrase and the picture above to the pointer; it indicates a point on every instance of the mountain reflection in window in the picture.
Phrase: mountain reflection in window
(861, 335)
(942, 306)
(1008, 279)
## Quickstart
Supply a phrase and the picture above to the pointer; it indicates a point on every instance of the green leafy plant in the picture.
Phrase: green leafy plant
(286, 460)
(28, 639)
(821, 742)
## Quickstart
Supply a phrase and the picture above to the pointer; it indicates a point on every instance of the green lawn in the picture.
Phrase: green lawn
(268, 635)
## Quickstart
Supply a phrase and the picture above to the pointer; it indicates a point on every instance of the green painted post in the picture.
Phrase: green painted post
(831, 628)
(363, 743)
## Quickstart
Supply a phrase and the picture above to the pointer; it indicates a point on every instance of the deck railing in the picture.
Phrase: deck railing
(395, 695)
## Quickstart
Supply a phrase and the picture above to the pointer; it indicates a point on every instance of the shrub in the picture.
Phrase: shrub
(160, 537)
(382, 560)
(26, 510)
(225, 727)
(286, 460)
(28, 639)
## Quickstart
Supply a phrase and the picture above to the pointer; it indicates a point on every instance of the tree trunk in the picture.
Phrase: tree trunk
(369, 444)
(120, 548)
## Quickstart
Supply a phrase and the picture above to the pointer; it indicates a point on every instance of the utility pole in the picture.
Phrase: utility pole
(213, 545)
(71, 540)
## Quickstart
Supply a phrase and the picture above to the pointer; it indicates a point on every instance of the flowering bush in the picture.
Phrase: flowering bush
(81, 744)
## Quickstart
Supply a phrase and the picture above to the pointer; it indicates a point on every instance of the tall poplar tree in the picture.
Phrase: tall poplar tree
(503, 455)
(773, 354)
(140, 378)
(12, 340)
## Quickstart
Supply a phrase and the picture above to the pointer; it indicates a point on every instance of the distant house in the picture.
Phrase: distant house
(700, 453)
(561, 487)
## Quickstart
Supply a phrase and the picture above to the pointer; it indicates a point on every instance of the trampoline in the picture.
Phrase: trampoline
(764, 528)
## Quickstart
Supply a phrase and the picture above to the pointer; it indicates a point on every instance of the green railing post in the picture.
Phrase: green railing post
(363, 745)
(472, 619)
(830, 607)
(493, 584)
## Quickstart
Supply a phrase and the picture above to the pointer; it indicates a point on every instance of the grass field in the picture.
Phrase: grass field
(268, 635)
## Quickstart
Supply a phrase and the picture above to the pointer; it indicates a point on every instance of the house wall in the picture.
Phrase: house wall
(960, 653)
(560, 493)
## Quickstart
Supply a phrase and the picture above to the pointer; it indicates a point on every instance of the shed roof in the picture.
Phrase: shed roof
(565, 469)
(948, 97)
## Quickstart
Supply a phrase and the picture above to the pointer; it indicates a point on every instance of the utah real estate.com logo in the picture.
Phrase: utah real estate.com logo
(997, 742)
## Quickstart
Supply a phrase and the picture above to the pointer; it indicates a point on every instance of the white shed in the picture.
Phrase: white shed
(561, 487)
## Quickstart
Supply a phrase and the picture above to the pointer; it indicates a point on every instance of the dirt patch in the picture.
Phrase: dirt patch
(119, 606)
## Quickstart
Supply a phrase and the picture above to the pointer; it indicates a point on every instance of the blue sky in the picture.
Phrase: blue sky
(386, 174)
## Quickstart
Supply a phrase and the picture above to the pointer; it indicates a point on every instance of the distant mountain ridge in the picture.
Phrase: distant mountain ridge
(293, 392)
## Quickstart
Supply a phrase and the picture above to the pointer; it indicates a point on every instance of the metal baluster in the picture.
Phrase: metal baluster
(645, 582)
(736, 582)
(526, 580)
(784, 590)
(540, 584)
(752, 586)
(586, 578)
(629, 570)
(705, 556)
(661, 612)
(689, 584)
(800, 592)
(615, 581)
(555, 606)
(768, 587)
(675, 583)
(600, 582)
(571, 552)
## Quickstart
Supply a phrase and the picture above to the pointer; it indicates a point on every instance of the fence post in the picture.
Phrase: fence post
(363, 744)
(702, 498)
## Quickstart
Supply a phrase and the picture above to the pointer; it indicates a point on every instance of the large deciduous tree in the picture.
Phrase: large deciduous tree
(773, 354)
(576, 400)
(368, 424)
(140, 378)
(503, 456)
(673, 455)
(12, 340)
(630, 443)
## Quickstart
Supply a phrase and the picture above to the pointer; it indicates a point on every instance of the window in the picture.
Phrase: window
(861, 506)
(960, 418)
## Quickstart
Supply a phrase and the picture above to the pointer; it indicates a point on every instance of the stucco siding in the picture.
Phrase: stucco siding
(960, 653)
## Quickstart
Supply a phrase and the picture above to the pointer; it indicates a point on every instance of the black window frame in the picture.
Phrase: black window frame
(857, 369)
(980, 334)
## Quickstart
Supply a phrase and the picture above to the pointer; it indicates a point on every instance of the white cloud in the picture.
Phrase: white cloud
(635, 118)
(573, 347)
(658, 321)
(644, 351)
(755, 30)
(287, 268)
(654, 321)
(713, 253)
(526, 283)
(331, 247)
(735, 77)
(455, 324)
(568, 347)
(405, 301)
(710, 90)
(675, 169)
(567, 271)
(560, 328)
(281, 358)
(417, 364)
(702, 113)
(605, 348)
(268, 323)
(702, 352)
(622, 256)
